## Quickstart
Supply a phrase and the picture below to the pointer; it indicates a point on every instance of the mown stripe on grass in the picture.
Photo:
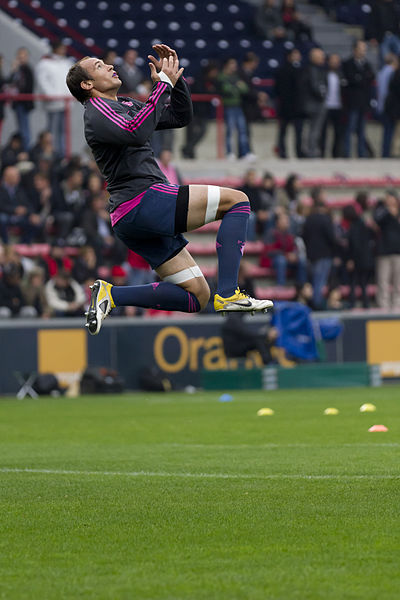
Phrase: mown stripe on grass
(302, 476)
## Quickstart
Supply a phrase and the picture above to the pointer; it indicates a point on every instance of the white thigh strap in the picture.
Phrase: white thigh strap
(185, 275)
(213, 195)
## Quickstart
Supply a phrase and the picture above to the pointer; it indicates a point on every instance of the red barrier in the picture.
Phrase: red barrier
(212, 98)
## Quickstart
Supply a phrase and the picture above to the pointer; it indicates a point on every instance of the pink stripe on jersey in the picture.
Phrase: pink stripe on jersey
(108, 116)
(124, 208)
(118, 120)
(149, 107)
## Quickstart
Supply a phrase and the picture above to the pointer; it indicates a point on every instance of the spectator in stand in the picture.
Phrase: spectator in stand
(254, 99)
(56, 260)
(297, 29)
(40, 199)
(269, 21)
(94, 186)
(12, 257)
(359, 76)
(289, 88)
(333, 107)
(15, 209)
(110, 57)
(268, 202)
(315, 90)
(205, 83)
(360, 254)
(64, 295)
(387, 216)
(13, 151)
(85, 266)
(21, 81)
(318, 194)
(283, 252)
(334, 300)
(33, 292)
(96, 225)
(320, 242)
(73, 194)
(232, 89)
(129, 73)
(51, 74)
(170, 171)
(11, 297)
(383, 27)
(304, 294)
(391, 109)
(291, 192)
(44, 149)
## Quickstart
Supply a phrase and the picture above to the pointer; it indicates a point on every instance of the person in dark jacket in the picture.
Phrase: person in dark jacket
(205, 83)
(359, 77)
(391, 111)
(383, 26)
(11, 297)
(320, 242)
(360, 253)
(254, 99)
(387, 216)
(15, 209)
(239, 337)
(290, 97)
(315, 89)
(22, 80)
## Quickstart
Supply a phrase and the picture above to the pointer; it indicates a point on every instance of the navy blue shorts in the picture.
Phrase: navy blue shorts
(149, 227)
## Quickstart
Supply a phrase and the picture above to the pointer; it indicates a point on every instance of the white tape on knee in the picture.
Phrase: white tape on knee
(213, 196)
(185, 275)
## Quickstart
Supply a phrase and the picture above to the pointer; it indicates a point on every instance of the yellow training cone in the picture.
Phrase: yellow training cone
(368, 408)
(265, 412)
(331, 411)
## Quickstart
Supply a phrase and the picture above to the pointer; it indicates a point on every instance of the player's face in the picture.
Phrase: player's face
(103, 76)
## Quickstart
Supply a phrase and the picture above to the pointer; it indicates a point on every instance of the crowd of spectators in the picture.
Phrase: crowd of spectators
(61, 206)
(323, 247)
(328, 100)
(57, 210)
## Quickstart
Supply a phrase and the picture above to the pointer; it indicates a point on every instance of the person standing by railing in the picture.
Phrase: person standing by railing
(52, 70)
(22, 81)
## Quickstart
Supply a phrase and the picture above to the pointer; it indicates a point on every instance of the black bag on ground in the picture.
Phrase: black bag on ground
(46, 384)
(151, 379)
(101, 380)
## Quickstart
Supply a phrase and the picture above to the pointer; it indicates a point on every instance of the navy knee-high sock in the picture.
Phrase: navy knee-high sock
(231, 239)
(164, 296)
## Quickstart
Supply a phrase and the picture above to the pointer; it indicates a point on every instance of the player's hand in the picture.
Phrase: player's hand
(163, 51)
(169, 66)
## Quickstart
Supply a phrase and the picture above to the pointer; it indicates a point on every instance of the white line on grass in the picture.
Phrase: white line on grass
(273, 445)
(195, 475)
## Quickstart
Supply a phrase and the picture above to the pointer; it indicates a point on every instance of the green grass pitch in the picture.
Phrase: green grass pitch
(180, 496)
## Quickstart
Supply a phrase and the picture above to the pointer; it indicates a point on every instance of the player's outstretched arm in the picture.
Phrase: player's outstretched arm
(180, 111)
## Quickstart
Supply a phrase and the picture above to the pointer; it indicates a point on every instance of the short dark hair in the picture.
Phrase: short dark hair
(75, 76)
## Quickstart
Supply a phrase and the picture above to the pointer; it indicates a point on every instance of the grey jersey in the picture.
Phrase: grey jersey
(118, 133)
